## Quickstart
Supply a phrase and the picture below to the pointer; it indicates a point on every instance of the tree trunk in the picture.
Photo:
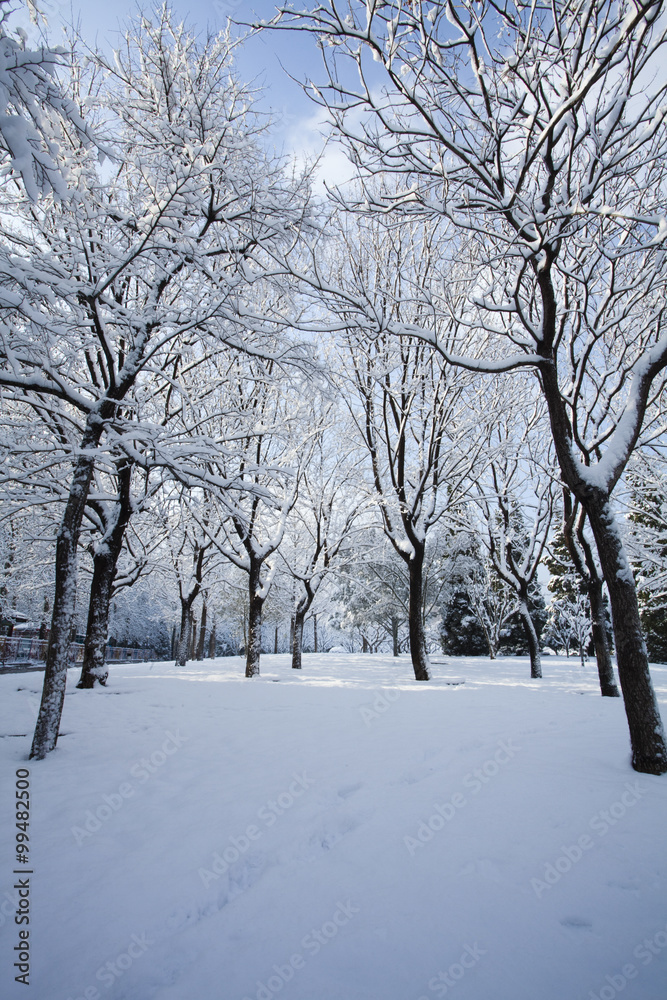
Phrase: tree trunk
(185, 636)
(201, 645)
(601, 641)
(394, 635)
(105, 561)
(315, 633)
(587, 569)
(531, 639)
(275, 640)
(193, 639)
(647, 737)
(94, 669)
(420, 662)
(298, 639)
(64, 603)
(211, 642)
(254, 647)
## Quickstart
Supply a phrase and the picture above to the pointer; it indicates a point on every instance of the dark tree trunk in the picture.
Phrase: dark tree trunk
(201, 645)
(420, 663)
(193, 639)
(298, 638)
(64, 603)
(211, 642)
(254, 647)
(531, 639)
(173, 643)
(185, 637)
(601, 642)
(94, 669)
(584, 563)
(647, 737)
(302, 609)
(315, 633)
(394, 635)
(275, 640)
(105, 561)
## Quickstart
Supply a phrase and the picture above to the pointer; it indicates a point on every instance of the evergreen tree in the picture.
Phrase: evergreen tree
(461, 633)
(648, 548)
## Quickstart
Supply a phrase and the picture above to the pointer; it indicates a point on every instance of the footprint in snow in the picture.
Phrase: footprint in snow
(328, 836)
(347, 790)
(485, 868)
(631, 885)
(414, 776)
(577, 923)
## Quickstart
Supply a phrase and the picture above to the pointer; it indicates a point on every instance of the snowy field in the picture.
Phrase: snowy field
(342, 833)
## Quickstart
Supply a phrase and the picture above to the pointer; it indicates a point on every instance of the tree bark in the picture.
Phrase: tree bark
(298, 638)
(420, 662)
(584, 563)
(315, 633)
(94, 669)
(531, 638)
(201, 645)
(601, 643)
(185, 637)
(211, 642)
(647, 737)
(254, 647)
(64, 603)
(394, 635)
(105, 561)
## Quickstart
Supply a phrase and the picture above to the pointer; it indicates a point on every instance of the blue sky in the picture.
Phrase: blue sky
(297, 120)
(261, 56)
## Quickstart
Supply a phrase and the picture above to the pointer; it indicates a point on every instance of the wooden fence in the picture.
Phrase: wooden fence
(24, 650)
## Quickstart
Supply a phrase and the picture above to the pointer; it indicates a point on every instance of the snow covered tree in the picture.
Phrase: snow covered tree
(410, 410)
(274, 443)
(101, 291)
(569, 624)
(538, 132)
(113, 513)
(321, 522)
(646, 532)
(461, 633)
(574, 570)
(34, 110)
(516, 499)
(190, 533)
(374, 592)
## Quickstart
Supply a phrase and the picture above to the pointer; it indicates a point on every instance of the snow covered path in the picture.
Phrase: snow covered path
(340, 834)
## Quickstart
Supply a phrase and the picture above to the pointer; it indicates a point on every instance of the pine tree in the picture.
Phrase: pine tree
(648, 546)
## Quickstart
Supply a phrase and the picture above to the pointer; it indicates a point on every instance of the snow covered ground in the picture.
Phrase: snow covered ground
(343, 833)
